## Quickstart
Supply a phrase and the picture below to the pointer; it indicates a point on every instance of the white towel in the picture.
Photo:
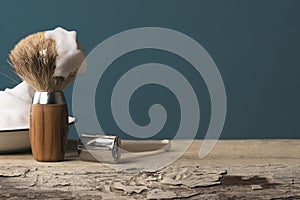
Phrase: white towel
(15, 107)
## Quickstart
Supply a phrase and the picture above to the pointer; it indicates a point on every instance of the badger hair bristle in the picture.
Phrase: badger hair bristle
(34, 60)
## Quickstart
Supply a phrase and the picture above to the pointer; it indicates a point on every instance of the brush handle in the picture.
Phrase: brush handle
(48, 131)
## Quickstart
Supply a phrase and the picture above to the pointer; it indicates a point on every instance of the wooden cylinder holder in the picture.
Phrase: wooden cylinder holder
(48, 126)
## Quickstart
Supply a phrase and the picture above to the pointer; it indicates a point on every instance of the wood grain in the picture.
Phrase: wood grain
(48, 131)
(256, 169)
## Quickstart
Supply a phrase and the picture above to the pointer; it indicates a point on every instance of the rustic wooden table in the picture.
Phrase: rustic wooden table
(235, 169)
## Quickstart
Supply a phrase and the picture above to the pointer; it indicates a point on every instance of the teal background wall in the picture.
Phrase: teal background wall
(254, 43)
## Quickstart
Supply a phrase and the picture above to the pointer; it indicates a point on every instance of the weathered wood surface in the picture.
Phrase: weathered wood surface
(241, 169)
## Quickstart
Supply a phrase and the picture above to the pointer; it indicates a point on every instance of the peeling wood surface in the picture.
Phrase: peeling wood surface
(240, 169)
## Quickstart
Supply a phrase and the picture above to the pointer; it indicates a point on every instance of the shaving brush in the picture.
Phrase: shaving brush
(35, 61)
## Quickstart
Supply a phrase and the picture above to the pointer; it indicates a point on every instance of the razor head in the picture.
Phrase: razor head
(99, 148)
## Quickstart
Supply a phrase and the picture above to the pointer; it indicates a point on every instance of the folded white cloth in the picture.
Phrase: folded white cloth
(15, 107)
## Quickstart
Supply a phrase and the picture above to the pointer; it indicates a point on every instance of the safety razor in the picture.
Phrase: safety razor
(108, 148)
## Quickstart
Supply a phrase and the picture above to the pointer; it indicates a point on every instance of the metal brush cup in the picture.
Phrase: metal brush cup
(48, 126)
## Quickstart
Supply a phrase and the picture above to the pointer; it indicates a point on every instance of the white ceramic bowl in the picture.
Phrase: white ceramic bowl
(12, 141)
